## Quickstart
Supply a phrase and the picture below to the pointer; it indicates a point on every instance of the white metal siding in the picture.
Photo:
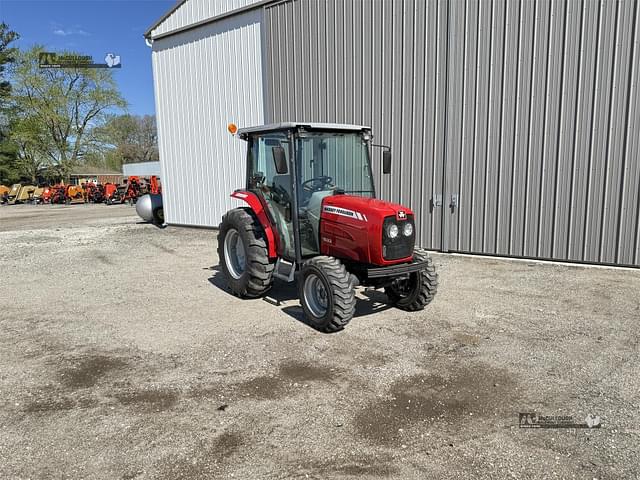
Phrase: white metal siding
(205, 78)
(141, 169)
(194, 11)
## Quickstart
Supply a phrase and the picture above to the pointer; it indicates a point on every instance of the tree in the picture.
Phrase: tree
(65, 103)
(30, 138)
(8, 151)
(128, 139)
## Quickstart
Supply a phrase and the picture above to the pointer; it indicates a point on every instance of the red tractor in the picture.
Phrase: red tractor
(312, 211)
(111, 193)
(93, 192)
(152, 186)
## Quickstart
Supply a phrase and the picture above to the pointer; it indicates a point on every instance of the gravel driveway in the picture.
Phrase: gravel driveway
(124, 356)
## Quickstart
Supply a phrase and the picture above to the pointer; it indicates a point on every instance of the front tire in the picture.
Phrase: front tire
(243, 254)
(327, 294)
(418, 290)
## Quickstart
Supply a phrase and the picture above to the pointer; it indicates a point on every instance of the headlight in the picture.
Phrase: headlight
(408, 229)
(392, 231)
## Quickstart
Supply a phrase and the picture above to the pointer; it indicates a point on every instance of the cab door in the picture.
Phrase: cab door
(274, 189)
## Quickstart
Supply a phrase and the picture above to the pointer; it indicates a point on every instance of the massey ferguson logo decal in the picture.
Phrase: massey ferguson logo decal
(344, 212)
(402, 214)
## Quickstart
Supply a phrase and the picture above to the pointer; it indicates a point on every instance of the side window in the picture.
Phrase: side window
(262, 168)
(274, 188)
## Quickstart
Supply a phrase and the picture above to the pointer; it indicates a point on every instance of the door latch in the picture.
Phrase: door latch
(455, 201)
(436, 201)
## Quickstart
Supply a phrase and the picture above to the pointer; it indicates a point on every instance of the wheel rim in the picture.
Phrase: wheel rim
(234, 253)
(405, 287)
(315, 295)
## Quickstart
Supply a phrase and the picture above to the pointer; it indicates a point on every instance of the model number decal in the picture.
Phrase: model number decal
(344, 212)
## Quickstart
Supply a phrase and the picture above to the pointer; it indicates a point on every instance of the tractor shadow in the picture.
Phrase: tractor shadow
(285, 296)
(161, 226)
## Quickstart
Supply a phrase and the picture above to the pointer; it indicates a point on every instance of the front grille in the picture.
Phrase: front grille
(402, 245)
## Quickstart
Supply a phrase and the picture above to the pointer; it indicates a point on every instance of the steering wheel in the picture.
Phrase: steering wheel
(316, 184)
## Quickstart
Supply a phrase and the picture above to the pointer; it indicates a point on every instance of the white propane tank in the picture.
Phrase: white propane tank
(149, 208)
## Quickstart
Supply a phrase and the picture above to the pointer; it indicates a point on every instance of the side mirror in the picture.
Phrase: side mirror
(279, 159)
(386, 161)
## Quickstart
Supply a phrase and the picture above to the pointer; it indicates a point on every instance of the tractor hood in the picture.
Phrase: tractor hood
(363, 207)
(353, 227)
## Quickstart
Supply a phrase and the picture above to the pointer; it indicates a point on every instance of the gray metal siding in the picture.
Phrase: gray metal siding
(334, 60)
(203, 79)
(528, 110)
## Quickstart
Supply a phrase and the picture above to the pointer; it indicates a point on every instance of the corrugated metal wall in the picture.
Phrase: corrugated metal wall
(194, 11)
(527, 112)
(205, 78)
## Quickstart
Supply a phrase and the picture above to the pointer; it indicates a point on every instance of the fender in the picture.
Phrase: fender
(256, 205)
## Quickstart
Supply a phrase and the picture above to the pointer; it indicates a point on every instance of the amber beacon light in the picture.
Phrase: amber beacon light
(233, 128)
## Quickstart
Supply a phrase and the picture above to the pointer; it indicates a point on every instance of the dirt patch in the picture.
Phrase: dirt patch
(149, 400)
(265, 387)
(277, 385)
(203, 462)
(304, 372)
(88, 371)
(103, 258)
(466, 394)
(50, 405)
(466, 339)
(368, 469)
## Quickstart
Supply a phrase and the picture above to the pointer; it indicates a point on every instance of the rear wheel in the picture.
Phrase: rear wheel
(158, 215)
(327, 293)
(417, 291)
(243, 254)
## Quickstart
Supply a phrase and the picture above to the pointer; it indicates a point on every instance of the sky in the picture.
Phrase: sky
(95, 28)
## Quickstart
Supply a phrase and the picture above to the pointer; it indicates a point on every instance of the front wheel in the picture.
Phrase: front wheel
(417, 291)
(327, 293)
(243, 254)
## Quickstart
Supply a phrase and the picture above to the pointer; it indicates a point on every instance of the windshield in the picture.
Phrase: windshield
(334, 161)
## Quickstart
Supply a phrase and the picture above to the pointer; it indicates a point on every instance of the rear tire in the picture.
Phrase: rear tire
(327, 294)
(418, 291)
(158, 216)
(243, 254)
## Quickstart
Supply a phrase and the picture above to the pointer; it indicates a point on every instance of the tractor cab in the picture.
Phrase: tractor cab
(313, 214)
(294, 167)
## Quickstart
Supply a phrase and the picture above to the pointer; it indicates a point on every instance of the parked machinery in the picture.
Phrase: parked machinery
(57, 194)
(20, 194)
(93, 193)
(46, 194)
(133, 189)
(111, 193)
(37, 194)
(67, 194)
(153, 185)
(311, 211)
(128, 191)
(4, 194)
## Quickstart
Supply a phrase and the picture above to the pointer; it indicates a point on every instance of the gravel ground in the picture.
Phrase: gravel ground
(124, 356)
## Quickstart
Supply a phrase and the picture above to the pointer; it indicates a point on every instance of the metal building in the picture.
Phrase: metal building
(141, 169)
(514, 125)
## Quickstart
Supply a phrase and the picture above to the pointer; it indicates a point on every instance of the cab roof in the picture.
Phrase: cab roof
(272, 127)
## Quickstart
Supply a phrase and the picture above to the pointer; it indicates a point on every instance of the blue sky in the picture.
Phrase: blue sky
(94, 27)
